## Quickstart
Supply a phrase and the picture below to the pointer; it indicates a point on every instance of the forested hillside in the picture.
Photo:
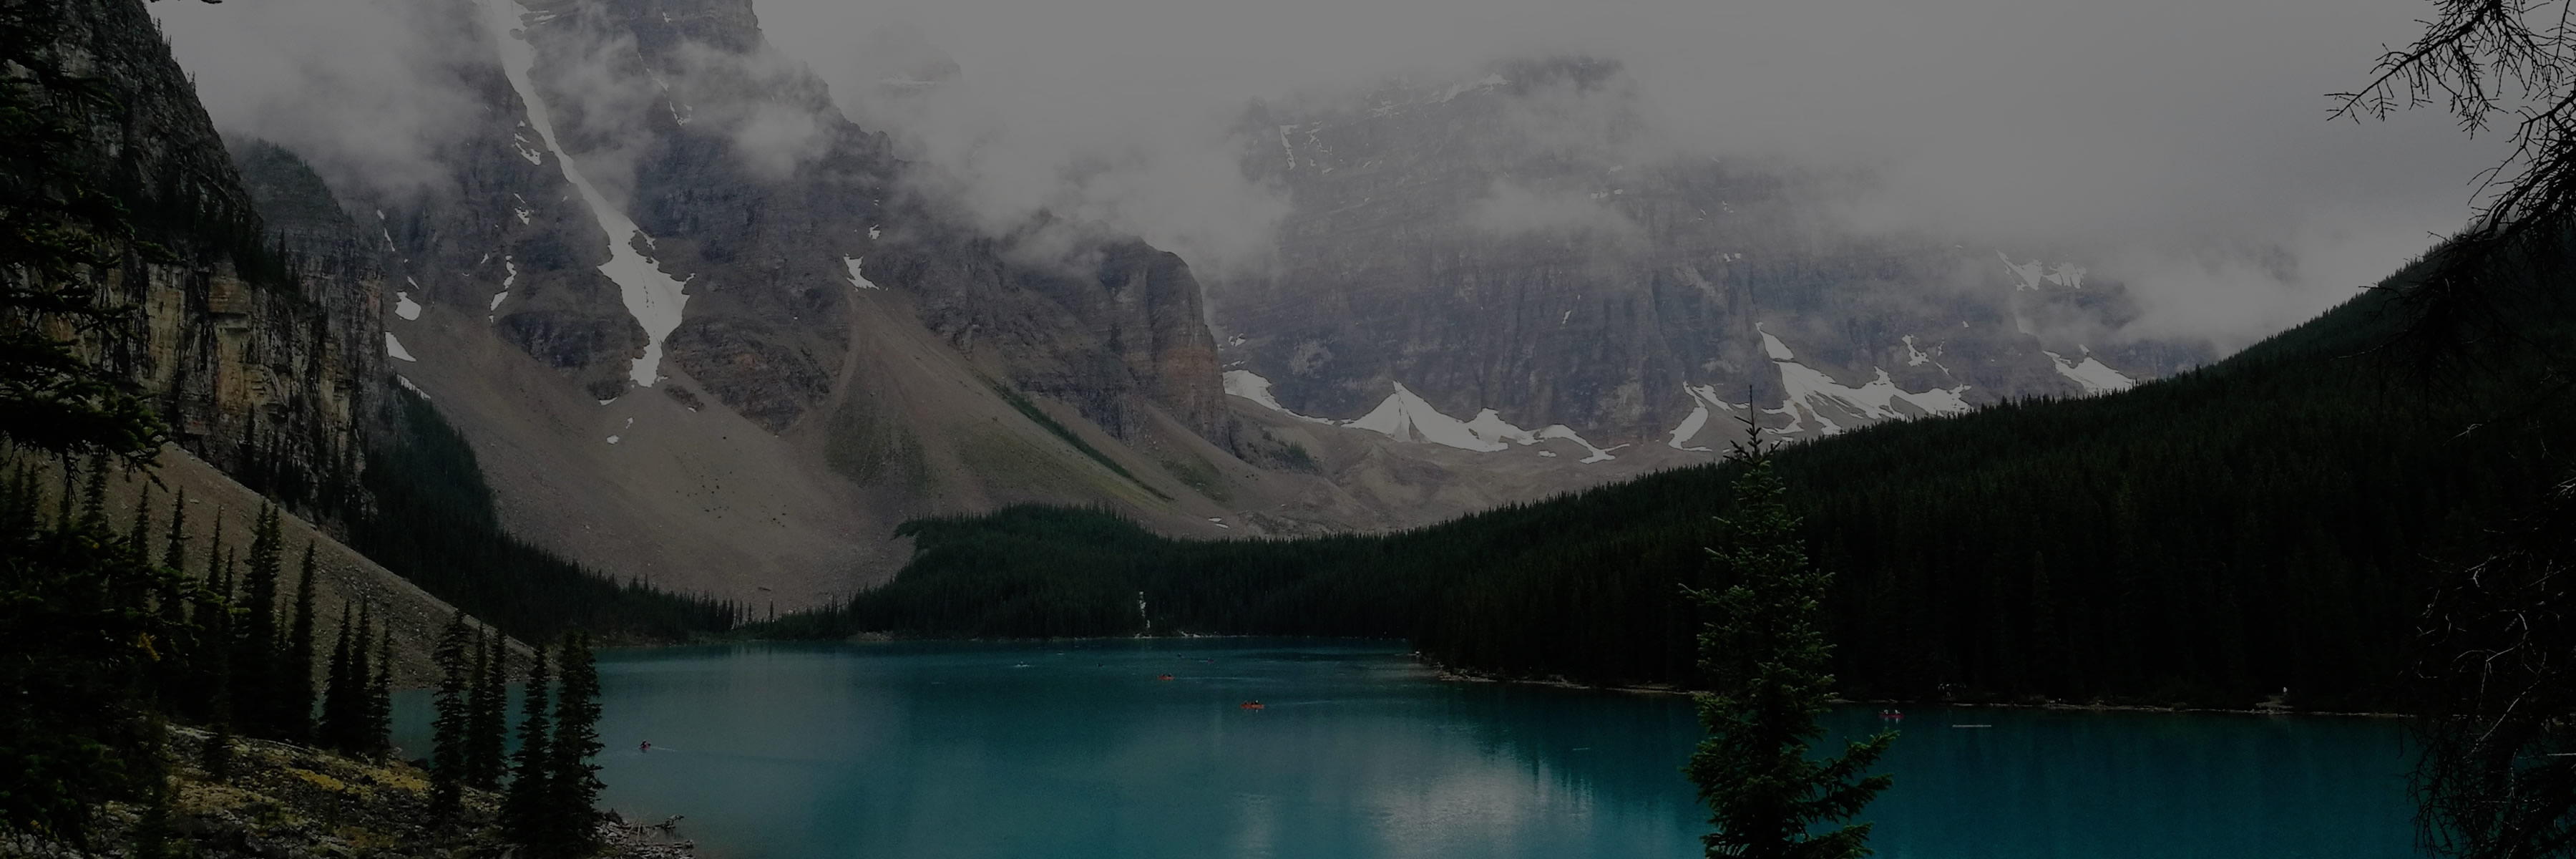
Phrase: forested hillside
(2270, 521)
(434, 523)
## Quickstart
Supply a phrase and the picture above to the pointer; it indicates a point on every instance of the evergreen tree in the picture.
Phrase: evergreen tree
(523, 807)
(210, 616)
(178, 680)
(219, 565)
(174, 554)
(256, 642)
(138, 536)
(491, 714)
(137, 591)
(93, 503)
(79, 635)
(295, 703)
(380, 695)
(340, 697)
(450, 760)
(1767, 660)
(573, 788)
(78, 643)
(471, 773)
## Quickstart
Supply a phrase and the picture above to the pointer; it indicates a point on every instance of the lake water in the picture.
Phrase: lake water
(1077, 749)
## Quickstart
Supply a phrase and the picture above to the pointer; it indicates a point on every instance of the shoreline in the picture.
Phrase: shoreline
(1448, 674)
(1452, 675)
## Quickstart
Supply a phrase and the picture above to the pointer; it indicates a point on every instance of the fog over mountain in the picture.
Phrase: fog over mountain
(2183, 147)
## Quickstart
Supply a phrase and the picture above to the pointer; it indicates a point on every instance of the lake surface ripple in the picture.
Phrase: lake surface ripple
(1079, 749)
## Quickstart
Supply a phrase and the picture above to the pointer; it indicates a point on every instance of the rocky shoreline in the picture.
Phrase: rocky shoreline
(281, 801)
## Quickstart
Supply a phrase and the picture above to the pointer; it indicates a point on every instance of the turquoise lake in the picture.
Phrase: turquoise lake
(1077, 749)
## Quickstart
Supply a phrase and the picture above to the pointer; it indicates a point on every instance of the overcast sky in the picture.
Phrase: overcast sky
(2184, 145)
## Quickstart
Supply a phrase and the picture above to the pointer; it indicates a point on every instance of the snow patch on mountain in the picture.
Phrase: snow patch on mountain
(531, 153)
(394, 349)
(1702, 398)
(1596, 454)
(509, 275)
(2067, 275)
(2093, 375)
(1778, 351)
(1251, 386)
(1406, 416)
(1689, 429)
(654, 298)
(1813, 394)
(1915, 356)
(858, 280)
(2027, 276)
(403, 305)
(1490, 427)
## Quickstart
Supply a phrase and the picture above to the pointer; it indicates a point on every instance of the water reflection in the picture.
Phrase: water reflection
(1079, 750)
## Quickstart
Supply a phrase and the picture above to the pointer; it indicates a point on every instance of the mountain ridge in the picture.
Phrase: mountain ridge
(2266, 521)
(1518, 242)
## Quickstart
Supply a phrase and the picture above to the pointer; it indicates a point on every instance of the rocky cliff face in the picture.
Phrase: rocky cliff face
(1112, 331)
(652, 182)
(264, 365)
(703, 330)
(1502, 244)
(700, 328)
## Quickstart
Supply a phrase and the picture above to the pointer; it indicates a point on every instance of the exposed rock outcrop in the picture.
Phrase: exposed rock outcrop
(702, 329)
(262, 365)
(1502, 243)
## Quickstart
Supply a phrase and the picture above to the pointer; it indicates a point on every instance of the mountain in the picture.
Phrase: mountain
(2273, 520)
(1515, 250)
(261, 366)
(252, 320)
(699, 329)
(266, 366)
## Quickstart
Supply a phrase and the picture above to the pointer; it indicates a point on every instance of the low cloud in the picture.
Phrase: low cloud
(2157, 142)
(368, 92)
(1510, 208)
(2180, 147)
(763, 100)
(372, 92)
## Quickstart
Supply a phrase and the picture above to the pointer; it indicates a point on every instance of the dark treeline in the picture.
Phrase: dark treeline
(2271, 521)
(108, 642)
(102, 644)
(434, 524)
(244, 657)
(549, 805)
(105, 638)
